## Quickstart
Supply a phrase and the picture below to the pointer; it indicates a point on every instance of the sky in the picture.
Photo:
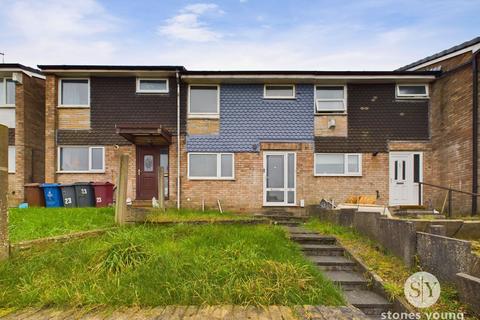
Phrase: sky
(234, 34)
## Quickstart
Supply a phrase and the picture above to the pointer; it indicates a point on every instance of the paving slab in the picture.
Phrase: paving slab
(366, 299)
(331, 260)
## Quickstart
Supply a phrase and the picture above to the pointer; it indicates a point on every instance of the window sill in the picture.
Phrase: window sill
(412, 98)
(152, 92)
(280, 98)
(210, 179)
(334, 113)
(338, 175)
(203, 116)
(73, 107)
(70, 172)
(7, 106)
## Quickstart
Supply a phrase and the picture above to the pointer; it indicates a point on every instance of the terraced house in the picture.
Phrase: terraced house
(272, 138)
(22, 110)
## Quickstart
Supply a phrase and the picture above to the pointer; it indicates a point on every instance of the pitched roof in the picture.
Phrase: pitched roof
(69, 67)
(440, 54)
(19, 67)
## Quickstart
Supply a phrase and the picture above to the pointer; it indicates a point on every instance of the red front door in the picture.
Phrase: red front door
(148, 160)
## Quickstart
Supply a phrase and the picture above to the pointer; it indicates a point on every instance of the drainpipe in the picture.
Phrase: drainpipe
(475, 131)
(178, 139)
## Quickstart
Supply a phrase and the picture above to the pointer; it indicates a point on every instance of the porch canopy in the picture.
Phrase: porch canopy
(144, 134)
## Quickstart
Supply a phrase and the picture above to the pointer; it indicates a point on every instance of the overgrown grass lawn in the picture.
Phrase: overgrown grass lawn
(178, 265)
(174, 215)
(390, 268)
(33, 223)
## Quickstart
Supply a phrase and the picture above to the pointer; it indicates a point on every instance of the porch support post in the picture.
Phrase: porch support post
(121, 204)
(161, 188)
(4, 243)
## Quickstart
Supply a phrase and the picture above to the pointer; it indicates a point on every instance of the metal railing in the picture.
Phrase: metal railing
(450, 192)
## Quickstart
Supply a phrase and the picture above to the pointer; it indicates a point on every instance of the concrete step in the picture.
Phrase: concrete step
(287, 223)
(322, 250)
(297, 229)
(333, 263)
(308, 238)
(348, 280)
(369, 302)
(285, 218)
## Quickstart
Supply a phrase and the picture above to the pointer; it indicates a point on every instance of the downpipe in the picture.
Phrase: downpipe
(178, 140)
(475, 132)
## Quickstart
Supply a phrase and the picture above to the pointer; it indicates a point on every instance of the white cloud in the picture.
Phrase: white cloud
(57, 31)
(187, 25)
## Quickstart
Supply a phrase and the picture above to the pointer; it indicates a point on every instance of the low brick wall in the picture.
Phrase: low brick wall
(469, 290)
(444, 256)
(399, 237)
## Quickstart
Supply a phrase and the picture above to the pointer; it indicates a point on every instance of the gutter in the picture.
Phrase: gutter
(177, 74)
(475, 131)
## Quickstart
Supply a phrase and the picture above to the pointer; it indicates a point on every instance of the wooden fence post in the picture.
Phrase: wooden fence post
(161, 188)
(121, 199)
(4, 243)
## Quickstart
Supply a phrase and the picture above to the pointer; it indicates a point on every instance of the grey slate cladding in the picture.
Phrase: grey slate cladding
(246, 119)
(376, 116)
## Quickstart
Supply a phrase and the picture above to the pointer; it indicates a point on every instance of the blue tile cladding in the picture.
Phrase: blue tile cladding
(246, 119)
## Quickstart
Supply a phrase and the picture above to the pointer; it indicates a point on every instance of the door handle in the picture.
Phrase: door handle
(138, 172)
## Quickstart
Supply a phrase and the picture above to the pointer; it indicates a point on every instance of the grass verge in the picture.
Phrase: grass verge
(390, 268)
(178, 265)
(34, 223)
(174, 215)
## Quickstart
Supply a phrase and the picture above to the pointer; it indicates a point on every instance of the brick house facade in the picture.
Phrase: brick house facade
(22, 110)
(452, 122)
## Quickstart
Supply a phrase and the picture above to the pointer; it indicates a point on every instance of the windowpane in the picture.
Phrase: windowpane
(330, 92)
(353, 162)
(291, 171)
(74, 159)
(330, 105)
(97, 158)
(416, 168)
(10, 92)
(279, 91)
(330, 164)
(74, 92)
(153, 85)
(203, 165)
(226, 166)
(275, 171)
(275, 196)
(203, 99)
(2, 92)
(291, 196)
(164, 162)
(412, 90)
(11, 159)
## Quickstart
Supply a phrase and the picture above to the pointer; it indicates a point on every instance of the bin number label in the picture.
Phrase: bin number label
(99, 200)
(68, 200)
(84, 191)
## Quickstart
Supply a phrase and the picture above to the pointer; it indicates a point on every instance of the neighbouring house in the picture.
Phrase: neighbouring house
(96, 113)
(22, 110)
(285, 138)
(454, 122)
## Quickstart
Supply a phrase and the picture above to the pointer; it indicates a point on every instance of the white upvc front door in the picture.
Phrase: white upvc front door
(279, 187)
(405, 173)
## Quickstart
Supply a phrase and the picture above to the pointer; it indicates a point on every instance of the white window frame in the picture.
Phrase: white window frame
(152, 91)
(411, 96)
(204, 115)
(345, 173)
(60, 105)
(12, 168)
(219, 166)
(3, 104)
(279, 85)
(90, 170)
(345, 99)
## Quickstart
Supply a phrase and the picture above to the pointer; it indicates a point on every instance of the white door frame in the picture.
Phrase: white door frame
(285, 189)
(414, 186)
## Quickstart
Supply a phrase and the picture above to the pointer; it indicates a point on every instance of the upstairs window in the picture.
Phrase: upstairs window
(338, 164)
(330, 99)
(7, 92)
(152, 85)
(204, 100)
(74, 92)
(81, 159)
(412, 91)
(274, 91)
(210, 166)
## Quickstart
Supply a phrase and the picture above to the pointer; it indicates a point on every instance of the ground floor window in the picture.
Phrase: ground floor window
(11, 159)
(211, 166)
(164, 164)
(81, 159)
(338, 164)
